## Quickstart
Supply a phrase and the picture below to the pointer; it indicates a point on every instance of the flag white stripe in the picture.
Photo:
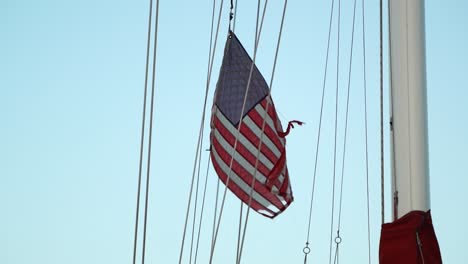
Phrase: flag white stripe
(269, 121)
(243, 162)
(244, 141)
(249, 146)
(239, 158)
(252, 126)
(258, 131)
(242, 185)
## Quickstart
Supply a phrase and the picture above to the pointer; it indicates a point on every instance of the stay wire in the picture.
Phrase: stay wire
(337, 254)
(336, 130)
(366, 130)
(263, 127)
(208, 71)
(200, 155)
(257, 37)
(392, 134)
(209, 156)
(142, 140)
(150, 136)
(346, 117)
(215, 211)
(190, 194)
(195, 205)
(241, 203)
(382, 165)
(239, 235)
(200, 137)
(306, 249)
(202, 208)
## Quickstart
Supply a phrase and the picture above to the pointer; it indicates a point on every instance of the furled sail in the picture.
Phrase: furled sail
(247, 139)
(410, 240)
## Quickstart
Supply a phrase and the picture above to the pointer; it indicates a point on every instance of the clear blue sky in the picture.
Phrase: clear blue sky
(71, 89)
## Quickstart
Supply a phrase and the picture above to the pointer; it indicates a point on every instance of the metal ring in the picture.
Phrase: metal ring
(338, 240)
(306, 250)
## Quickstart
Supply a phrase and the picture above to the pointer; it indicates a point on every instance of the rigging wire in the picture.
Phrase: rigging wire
(200, 135)
(209, 156)
(336, 129)
(142, 140)
(215, 212)
(202, 209)
(195, 205)
(382, 186)
(346, 118)
(241, 203)
(239, 235)
(257, 38)
(200, 154)
(306, 249)
(210, 57)
(337, 251)
(150, 136)
(263, 128)
(338, 238)
(366, 130)
(392, 134)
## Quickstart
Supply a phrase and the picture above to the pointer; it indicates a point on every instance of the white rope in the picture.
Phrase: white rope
(257, 36)
(263, 129)
(200, 135)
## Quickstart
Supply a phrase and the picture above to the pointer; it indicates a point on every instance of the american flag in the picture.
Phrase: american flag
(236, 136)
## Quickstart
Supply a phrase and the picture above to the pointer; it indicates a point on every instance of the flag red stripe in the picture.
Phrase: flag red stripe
(246, 176)
(244, 151)
(246, 155)
(241, 194)
(285, 184)
(268, 131)
(229, 137)
(246, 134)
(271, 111)
(252, 137)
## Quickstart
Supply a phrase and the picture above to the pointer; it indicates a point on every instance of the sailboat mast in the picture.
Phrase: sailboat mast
(410, 163)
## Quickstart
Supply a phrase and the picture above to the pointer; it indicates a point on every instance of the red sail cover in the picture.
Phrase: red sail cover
(234, 154)
(410, 240)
